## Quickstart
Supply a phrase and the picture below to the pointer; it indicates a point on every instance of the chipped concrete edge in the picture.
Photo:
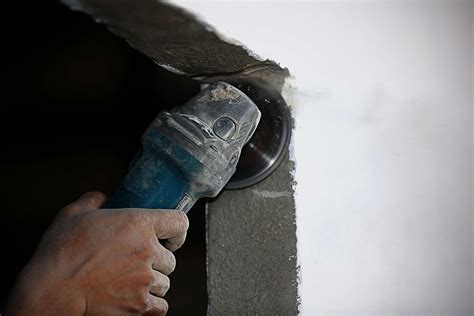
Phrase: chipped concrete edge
(289, 94)
(273, 197)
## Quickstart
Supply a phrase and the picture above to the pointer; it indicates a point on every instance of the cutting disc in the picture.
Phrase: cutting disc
(269, 144)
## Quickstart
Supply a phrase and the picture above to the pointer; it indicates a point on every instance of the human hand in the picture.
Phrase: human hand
(95, 261)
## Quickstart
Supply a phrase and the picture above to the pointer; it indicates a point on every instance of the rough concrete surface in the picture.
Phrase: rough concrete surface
(252, 266)
(175, 39)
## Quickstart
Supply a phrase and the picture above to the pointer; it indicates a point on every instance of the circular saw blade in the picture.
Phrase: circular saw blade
(269, 144)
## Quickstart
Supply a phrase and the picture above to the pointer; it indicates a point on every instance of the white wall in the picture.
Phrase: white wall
(383, 147)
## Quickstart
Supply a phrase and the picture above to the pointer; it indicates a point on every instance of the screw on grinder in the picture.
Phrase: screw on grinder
(189, 152)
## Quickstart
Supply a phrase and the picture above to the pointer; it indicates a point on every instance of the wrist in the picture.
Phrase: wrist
(40, 291)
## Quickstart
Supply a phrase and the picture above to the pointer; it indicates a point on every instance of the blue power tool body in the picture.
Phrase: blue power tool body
(189, 152)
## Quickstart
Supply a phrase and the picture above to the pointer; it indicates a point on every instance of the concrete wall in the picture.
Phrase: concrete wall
(251, 250)
(383, 150)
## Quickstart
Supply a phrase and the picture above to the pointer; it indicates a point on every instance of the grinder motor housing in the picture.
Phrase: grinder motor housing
(189, 152)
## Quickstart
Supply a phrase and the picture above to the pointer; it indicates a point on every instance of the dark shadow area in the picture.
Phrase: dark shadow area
(76, 100)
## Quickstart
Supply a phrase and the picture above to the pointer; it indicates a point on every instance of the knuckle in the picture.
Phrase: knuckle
(167, 261)
(183, 222)
(163, 308)
(145, 253)
(132, 214)
(134, 217)
(94, 195)
(148, 279)
(141, 303)
(162, 283)
(165, 284)
(128, 216)
(171, 262)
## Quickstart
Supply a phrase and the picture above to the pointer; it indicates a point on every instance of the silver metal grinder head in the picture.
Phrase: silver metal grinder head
(213, 127)
(268, 146)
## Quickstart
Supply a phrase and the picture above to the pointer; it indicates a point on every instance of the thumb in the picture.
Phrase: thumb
(88, 201)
